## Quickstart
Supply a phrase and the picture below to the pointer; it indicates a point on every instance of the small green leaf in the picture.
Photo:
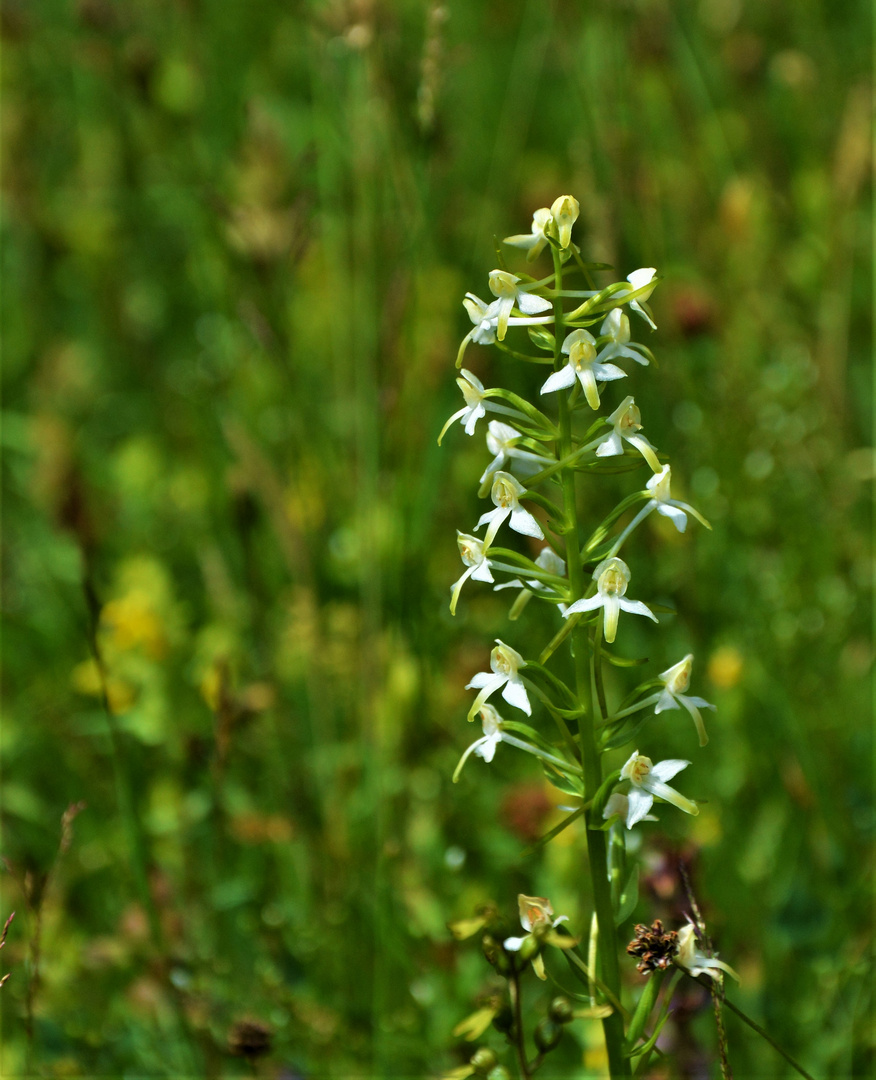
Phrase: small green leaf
(629, 898)
(567, 784)
(542, 338)
(623, 661)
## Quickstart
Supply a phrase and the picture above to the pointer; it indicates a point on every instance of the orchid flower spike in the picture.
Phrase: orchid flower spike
(504, 286)
(473, 553)
(505, 493)
(580, 347)
(663, 503)
(505, 664)
(502, 440)
(627, 422)
(537, 918)
(649, 780)
(485, 747)
(564, 211)
(616, 328)
(675, 681)
(694, 961)
(619, 805)
(612, 577)
(639, 279)
(535, 242)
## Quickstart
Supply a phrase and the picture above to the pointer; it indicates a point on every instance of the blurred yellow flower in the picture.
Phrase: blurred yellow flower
(725, 667)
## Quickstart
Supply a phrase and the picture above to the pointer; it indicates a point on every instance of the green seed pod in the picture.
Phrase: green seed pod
(495, 954)
(561, 1011)
(499, 1073)
(483, 1060)
(547, 1034)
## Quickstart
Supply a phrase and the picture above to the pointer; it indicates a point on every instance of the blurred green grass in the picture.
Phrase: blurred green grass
(235, 240)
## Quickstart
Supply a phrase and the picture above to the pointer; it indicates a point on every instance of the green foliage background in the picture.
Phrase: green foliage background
(235, 241)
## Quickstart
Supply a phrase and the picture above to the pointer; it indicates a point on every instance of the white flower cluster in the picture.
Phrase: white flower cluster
(529, 451)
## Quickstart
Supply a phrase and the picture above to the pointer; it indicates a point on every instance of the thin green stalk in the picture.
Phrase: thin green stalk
(613, 1025)
(519, 1044)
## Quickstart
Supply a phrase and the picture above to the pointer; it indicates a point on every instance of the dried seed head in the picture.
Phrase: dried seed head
(654, 947)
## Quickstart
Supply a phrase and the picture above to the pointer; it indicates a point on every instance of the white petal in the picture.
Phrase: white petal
(677, 517)
(637, 307)
(640, 802)
(524, 523)
(665, 770)
(487, 748)
(698, 701)
(559, 380)
(636, 607)
(607, 372)
(485, 678)
(532, 305)
(610, 447)
(665, 701)
(589, 603)
(515, 694)
(514, 943)
(476, 413)
(482, 572)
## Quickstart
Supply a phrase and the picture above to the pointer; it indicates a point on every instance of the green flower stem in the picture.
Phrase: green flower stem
(613, 1025)
(644, 1007)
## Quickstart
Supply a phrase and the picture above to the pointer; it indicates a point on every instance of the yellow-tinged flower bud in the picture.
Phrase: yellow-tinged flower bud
(565, 212)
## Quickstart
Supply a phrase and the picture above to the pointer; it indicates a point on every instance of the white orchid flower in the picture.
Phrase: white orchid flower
(486, 320)
(505, 493)
(564, 211)
(494, 733)
(612, 577)
(473, 391)
(695, 961)
(675, 681)
(618, 804)
(473, 553)
(485, 747)
(477, 404)
(639, 279)
(504, 287)
(649, 780)
(537, 918)
(547, 560)
(580, 347)
(616, 328)
(535, 242)
(664, 504)
(502, 442)
(505, 664)
(627, 422)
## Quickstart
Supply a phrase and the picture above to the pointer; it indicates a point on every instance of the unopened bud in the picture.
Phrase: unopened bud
(560, 1010)
(499, 1073)
(483, 1060)
(547, 1034)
